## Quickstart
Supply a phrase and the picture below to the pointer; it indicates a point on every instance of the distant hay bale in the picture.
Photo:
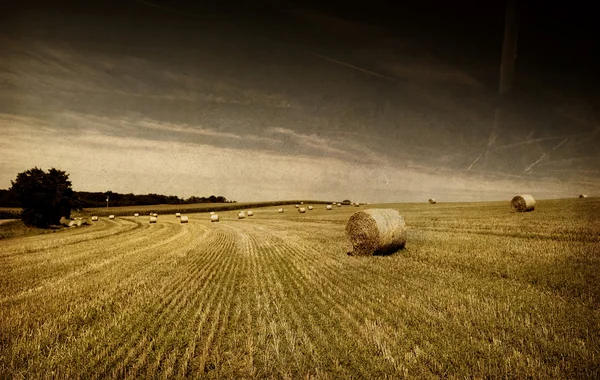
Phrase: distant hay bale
(153, 219)
(339, 205)
(301, 210)
(432, 201)
(94, 218)
(328, 207)
(214, 218)
(301, 203)
(356, 204)
(136, 214)
(376, 231)
(250, 213)
(310, 208)
(280, 210)
(523, 203)
(241, 215)
(183, 219)
(296, 206)
(111, 217)
(583, 196)
(155, 215)
(178, 215)
(212, 213)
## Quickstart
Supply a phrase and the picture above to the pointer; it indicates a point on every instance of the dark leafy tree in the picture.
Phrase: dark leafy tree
(44, 197)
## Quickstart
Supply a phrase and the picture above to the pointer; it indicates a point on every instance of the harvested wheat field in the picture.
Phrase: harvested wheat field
(478, 291)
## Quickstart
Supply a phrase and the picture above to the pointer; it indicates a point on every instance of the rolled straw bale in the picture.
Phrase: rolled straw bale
(310, 208)
(339, 205)
(296, 206)
(280, 210)
(178, 215)
(583, 196)
(153, 219)
(432, 201)
(111, 217)
(376, 231)
(94, 218)
(214, 218)
(241, 215)
(212, 213)
(183, 219)
(301, 203)
(250, 213)
(155, 215)
(356, 204)
(136, 214)
(328, 207)
(301, 210)
(523, 203)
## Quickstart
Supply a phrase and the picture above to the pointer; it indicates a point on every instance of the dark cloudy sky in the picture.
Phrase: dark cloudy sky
(279, 100)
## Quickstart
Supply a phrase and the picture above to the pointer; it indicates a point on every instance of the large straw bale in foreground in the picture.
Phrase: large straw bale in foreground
(376, 231)
(523, 203)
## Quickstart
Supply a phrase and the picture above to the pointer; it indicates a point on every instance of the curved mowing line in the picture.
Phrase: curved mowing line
(221, 290)
(201, 271)
(88, 268)
(172, 315)
(41, 241)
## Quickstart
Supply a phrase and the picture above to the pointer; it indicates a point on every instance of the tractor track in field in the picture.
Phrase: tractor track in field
(254, 298)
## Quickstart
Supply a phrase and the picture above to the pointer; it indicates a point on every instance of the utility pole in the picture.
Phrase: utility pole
(509, 48)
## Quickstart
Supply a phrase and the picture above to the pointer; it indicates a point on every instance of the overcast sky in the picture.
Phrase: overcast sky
(291, 102)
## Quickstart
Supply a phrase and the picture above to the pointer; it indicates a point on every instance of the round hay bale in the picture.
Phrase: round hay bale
(183, 219)
(583, 196)
(155, 215)
(339, 205)
(241, 215)
(153, 219)
(214, 218)
(301, 210)
(212, 213)
(111, 217)
(432, 201)
(94, 218)
(357, 205)
(301, 203)
(178, 215)
(310, 208)
(523, 203)
(280, 210)
(136, 214)
(296, 206)
(328, 207)
(250, 213)
(376, 231)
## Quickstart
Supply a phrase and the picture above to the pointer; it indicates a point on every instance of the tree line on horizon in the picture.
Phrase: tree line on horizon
(84, 199)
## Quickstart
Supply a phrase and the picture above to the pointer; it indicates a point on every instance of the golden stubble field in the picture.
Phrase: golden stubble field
(477, 292)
